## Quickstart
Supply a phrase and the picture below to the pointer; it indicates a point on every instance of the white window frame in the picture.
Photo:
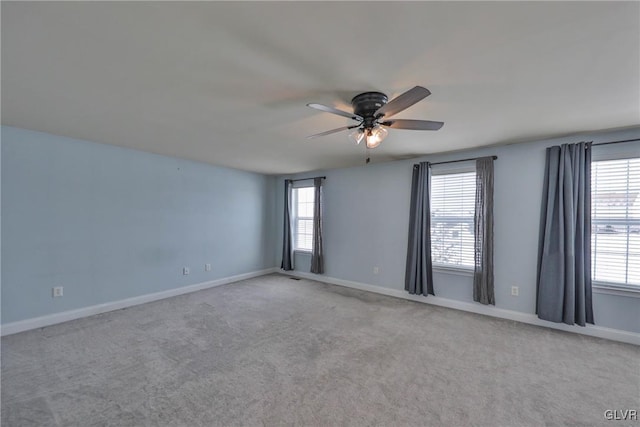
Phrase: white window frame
(296, 218)
(603, 287)
(451, 169)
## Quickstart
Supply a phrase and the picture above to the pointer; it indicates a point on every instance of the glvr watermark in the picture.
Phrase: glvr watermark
(621, 415)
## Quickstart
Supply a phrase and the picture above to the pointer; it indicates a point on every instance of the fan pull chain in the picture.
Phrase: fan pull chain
(367, 159)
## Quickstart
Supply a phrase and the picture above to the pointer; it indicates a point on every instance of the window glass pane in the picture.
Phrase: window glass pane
(452, 211)
(306, 210)
(615, 221)
(305, 194)
(304, 234)
(303, 218)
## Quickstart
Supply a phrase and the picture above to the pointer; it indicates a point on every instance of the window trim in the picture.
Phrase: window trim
(453, 169)
(294, 198)
(612, 288)
(459, 270)
(600, 155)
(450, 169)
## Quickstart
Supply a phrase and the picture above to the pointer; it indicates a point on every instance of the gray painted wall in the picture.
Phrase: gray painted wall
(367, 215)
(109, 223)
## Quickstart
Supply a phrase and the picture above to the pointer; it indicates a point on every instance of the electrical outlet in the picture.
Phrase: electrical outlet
(207, 267)
(185, 271)
(376, 270)
(515, 291)
(56, 292)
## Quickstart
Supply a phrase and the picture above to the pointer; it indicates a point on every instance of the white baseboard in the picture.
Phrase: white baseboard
(65, 316)
(591, 330)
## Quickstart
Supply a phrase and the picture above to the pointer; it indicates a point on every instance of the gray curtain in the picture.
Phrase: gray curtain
(419, 273)
(483, 227)
(287, 235)
(317, 254)
(564, 258)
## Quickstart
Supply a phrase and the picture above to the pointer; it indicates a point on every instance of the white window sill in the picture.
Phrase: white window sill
(450, 269)
(615, 289)
(302, 252)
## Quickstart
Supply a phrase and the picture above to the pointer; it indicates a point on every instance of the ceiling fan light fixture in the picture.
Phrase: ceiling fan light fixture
(357, 136)
(375, 136)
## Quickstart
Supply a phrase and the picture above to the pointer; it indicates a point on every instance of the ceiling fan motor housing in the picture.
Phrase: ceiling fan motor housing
(366, 104)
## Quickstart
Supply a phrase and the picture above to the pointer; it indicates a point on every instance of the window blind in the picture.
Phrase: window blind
(452, 211)
(615, 221)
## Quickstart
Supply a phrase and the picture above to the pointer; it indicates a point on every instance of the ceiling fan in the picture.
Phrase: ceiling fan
(371, 111)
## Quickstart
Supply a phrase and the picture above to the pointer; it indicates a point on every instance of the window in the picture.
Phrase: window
(615, 221)
(303, 206)
(452, 210)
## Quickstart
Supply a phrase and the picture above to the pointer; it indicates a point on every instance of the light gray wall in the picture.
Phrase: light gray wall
(109, 223)
(367, 215)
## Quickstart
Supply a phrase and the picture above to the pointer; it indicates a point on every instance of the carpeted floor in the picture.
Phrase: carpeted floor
(275, 351)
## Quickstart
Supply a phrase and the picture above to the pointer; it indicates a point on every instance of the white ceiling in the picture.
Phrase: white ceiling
(227, 83)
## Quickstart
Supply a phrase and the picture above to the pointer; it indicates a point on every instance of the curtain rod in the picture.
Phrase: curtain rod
(616, 142)
(305, 179)
(462, 160)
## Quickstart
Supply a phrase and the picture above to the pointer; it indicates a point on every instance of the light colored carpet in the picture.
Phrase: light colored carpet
(275, 351)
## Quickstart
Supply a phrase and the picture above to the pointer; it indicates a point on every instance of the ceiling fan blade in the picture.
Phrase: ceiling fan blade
(332, 110)
(403, 101)
(329, 132)
(413, 124)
